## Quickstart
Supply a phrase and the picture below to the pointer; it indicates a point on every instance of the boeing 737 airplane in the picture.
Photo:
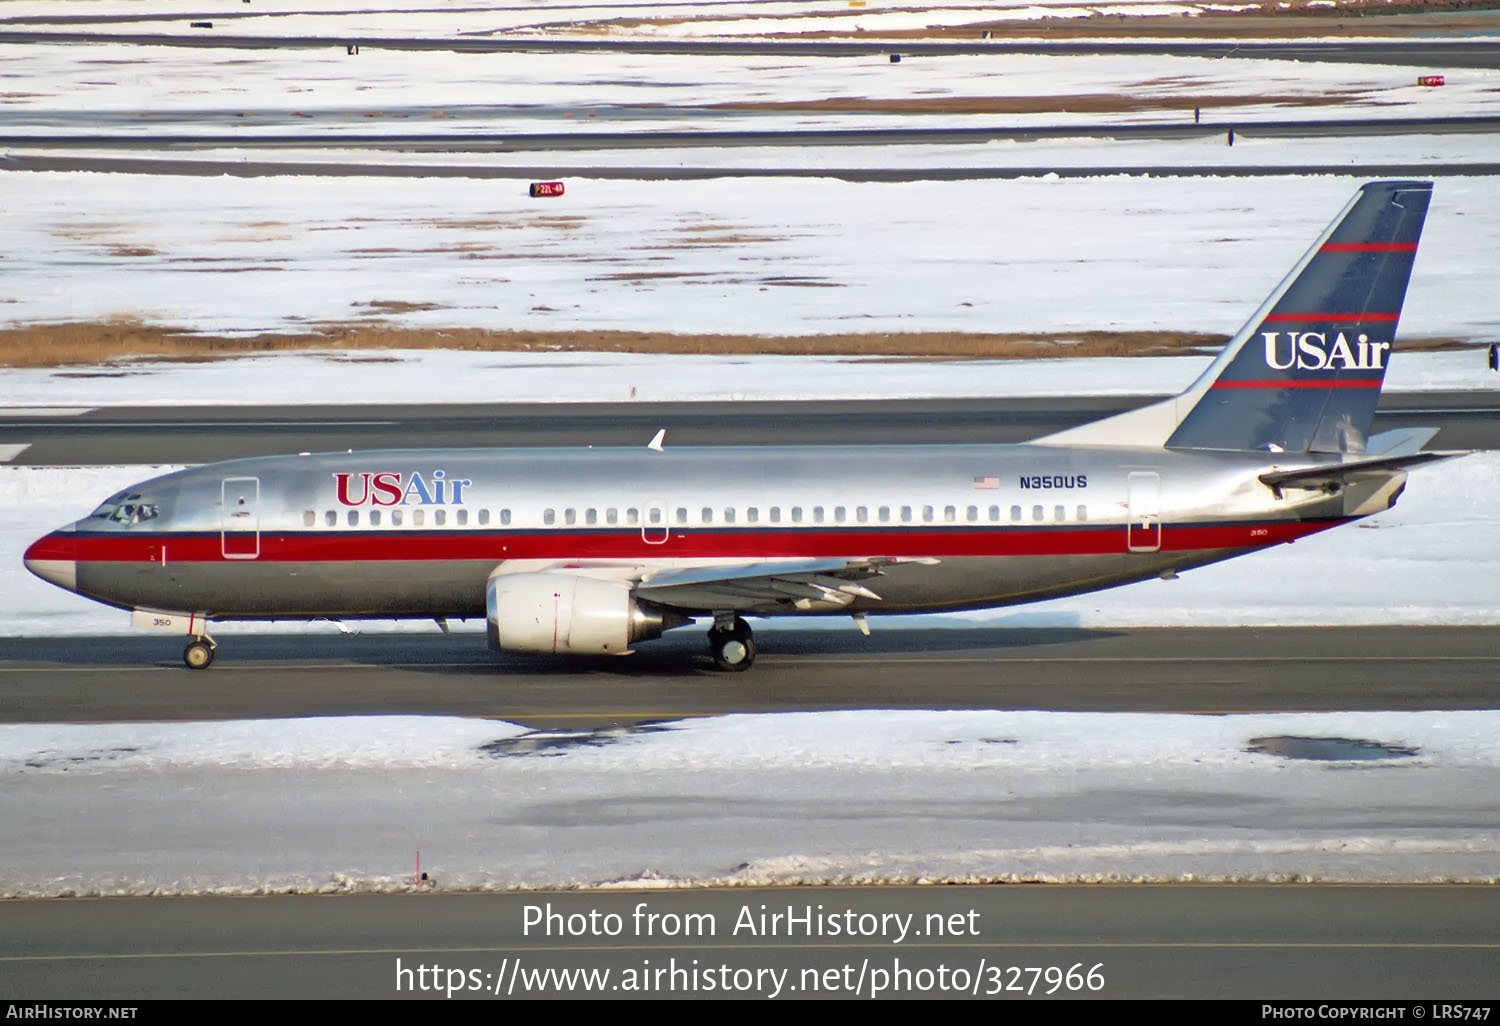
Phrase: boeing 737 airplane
(596, 550)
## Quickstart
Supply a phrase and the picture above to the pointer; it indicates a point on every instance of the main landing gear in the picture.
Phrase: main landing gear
(199, 655)
(732, 644)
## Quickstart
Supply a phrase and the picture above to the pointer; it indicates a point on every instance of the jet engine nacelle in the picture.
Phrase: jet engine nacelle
(566, 613)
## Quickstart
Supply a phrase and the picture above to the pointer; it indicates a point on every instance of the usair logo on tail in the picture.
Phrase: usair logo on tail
(1311, 350)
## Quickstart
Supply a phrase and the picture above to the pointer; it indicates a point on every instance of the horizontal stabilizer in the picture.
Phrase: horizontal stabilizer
(1334, 475)
(1401, 442)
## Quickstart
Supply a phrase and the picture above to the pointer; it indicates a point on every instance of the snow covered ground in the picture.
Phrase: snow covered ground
(344, 804)
(820, 797)
(776, 257)
(57, 89)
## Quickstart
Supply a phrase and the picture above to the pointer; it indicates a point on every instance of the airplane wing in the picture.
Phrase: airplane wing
(1336, 474)
(772, 586)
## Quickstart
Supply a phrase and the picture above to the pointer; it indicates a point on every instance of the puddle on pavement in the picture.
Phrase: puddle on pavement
(1330, 749)
(552, 743)
(50, 759)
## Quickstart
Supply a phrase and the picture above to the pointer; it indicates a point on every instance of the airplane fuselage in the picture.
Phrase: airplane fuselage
(416, 533)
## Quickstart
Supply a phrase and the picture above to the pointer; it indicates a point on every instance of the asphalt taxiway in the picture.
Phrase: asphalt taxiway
(199, 434)
(831, 666)
(1260, 942)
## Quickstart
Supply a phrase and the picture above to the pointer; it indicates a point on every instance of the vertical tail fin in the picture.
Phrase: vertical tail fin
(1304, 373)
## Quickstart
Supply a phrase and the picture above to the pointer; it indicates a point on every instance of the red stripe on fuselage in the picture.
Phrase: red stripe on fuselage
(355, 546)
(1302, 383)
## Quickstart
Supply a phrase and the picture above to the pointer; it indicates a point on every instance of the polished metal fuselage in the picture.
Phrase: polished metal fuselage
(966, 526)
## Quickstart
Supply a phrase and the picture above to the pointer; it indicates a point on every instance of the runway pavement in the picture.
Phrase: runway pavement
(200, 434)
(828, 666)
(1259, 942)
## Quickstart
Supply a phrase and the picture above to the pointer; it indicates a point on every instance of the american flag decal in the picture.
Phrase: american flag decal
(986, 482)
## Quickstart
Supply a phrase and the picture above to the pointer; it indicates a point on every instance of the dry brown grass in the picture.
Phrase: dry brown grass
(102, 343)
(397, 306)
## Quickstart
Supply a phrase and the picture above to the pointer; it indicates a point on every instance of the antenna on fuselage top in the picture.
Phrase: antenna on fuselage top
(656, 440)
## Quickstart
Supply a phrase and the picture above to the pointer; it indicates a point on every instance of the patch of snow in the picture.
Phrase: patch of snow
(343, 804)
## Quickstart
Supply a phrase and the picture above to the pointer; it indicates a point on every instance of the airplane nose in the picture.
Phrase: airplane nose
(54, 559)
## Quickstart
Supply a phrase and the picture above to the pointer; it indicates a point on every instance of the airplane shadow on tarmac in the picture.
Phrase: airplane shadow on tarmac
(676, 654)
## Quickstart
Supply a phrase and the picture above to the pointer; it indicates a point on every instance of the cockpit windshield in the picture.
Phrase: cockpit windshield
(127, 509)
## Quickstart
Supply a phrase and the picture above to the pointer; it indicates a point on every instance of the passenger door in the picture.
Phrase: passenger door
(239, 517)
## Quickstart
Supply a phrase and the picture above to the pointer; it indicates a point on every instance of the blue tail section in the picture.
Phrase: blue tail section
(1304, 374)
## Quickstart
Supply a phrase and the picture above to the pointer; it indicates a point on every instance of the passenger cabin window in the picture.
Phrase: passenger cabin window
(418, 517)
(549, 516)
(862, 514)
(950, 514)
(682, 514)
(331, 518)
(570, 516)
(632, 516)
(838, 514)
(654, 514)
(728, 514)
(775, 514)
(973, 514)
(354, 518)
(591, 516)
(752, 515)
(1083, 512)
(463, 518)
(505, 516)
(439, 517)
(708, 515)
(885, 514)
(796, 514)
(611, 516)
(817, 514)
(1059, 513)
(927, 514)
(309, 518)
(1015, 514)
(374, 518)
(994, 514)
(1037, 513)
(906, 514)
(395, 518)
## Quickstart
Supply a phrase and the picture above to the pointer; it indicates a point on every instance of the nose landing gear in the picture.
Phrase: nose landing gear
(199, 654)
(732, 644)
